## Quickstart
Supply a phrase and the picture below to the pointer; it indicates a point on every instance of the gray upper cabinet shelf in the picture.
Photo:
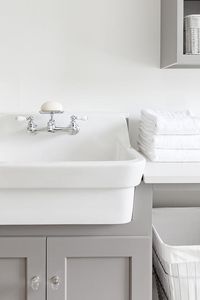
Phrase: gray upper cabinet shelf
(172, 33)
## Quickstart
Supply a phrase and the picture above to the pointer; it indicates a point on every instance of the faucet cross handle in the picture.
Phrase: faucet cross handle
(32, 126)
(74, 126)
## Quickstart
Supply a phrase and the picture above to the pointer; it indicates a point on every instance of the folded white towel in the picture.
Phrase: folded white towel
(169, 141)
(158, 122)
(169, 155)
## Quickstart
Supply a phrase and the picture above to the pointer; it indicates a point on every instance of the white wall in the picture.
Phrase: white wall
(88, 54)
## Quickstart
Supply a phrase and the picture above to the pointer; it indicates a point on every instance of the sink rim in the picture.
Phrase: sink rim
(69, 175)
(137, 157)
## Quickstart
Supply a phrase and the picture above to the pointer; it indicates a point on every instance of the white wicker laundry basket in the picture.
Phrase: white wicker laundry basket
(192, 34)
(176, 252)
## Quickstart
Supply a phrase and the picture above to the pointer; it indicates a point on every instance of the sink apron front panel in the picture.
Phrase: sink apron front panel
(66, 206)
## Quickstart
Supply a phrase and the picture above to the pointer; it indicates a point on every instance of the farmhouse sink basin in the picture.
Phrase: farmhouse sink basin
(57, 178)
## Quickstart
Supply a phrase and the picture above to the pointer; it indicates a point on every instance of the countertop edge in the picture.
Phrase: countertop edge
(171, 173)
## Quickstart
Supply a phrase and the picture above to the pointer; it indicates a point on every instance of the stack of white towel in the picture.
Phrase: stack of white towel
(169, 136)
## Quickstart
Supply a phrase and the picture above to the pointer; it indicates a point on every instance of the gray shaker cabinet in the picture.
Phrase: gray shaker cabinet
(88, 268)
(22, 268)
(75, 268)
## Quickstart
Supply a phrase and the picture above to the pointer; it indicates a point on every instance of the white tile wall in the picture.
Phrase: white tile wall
(90, 55)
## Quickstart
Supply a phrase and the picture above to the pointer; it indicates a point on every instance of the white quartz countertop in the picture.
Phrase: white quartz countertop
(172, 172)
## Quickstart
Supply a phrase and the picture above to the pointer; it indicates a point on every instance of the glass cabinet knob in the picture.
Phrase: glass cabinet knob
(55, 282)
(35, 283)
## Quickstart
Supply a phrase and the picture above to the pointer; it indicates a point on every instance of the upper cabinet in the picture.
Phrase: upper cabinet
(174, 53)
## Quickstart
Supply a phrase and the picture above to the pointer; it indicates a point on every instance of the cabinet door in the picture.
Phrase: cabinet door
(100, 268)
(22, 268)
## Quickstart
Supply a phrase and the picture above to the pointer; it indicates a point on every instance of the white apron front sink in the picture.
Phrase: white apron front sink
(56, 178)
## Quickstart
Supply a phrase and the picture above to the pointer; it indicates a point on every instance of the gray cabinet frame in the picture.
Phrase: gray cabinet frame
(34, 251)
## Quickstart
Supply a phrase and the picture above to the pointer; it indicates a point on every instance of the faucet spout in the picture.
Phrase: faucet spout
(51, 125)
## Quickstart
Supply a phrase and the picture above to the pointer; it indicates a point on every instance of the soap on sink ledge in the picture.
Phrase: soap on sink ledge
(52, 106)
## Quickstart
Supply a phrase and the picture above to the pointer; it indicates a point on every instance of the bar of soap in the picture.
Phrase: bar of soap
(51, 106)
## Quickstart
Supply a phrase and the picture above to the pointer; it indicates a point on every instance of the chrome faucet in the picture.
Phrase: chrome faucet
(73, 128)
